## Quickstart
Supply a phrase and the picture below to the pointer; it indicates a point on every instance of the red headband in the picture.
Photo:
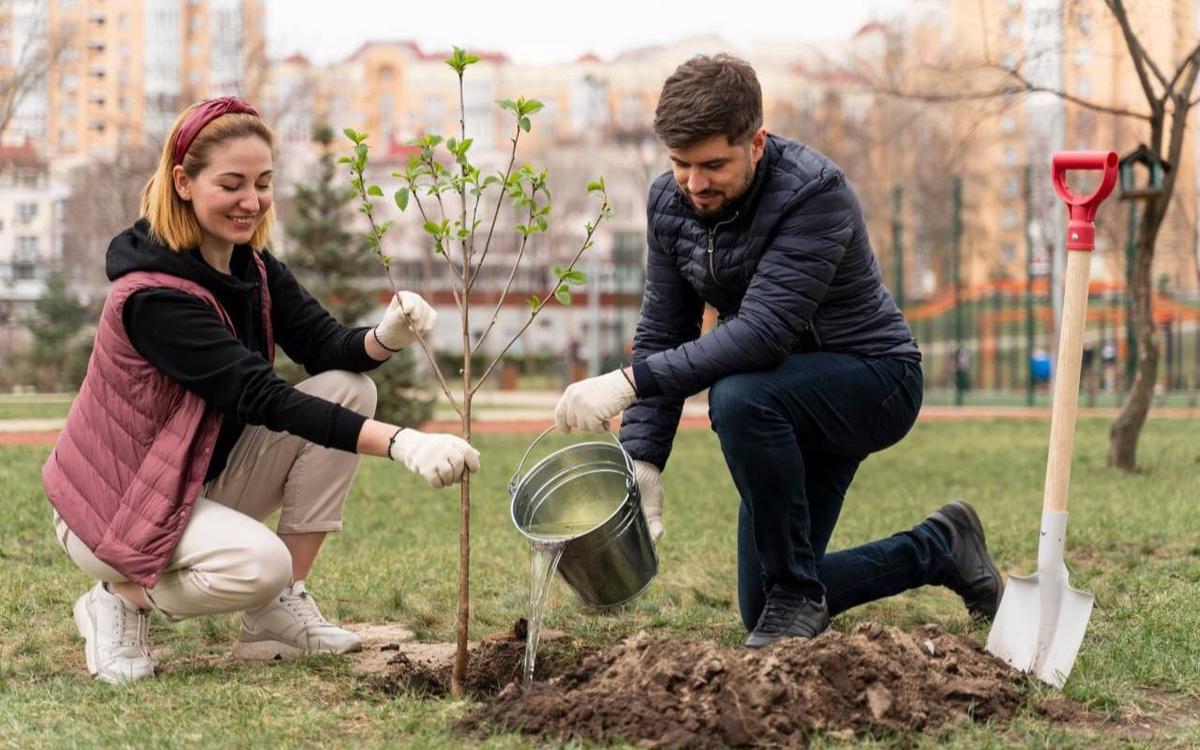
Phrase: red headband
(207, 111)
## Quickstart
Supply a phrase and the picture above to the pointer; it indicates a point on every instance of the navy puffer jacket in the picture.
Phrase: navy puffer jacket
(788, 268)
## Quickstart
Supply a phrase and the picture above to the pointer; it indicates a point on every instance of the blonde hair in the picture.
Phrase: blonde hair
(172, 219)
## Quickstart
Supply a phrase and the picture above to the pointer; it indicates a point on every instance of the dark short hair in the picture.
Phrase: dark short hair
(709, 95)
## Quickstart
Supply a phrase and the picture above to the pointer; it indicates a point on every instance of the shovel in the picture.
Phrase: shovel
(1041, 620)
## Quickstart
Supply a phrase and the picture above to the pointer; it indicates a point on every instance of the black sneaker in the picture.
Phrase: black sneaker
(788, 615)
(975, 577)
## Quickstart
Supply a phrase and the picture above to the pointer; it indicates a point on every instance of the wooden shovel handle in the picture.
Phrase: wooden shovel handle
(1080, 241)
(1066, 381)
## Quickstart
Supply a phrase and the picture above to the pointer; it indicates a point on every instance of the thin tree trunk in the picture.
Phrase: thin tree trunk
(458, 675)
(1126, 429)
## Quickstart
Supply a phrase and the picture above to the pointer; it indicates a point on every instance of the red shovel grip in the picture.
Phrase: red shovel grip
(1081, 231)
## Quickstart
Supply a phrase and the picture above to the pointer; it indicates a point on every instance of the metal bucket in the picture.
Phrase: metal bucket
(586, 496)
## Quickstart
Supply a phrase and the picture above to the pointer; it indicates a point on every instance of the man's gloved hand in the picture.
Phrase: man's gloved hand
(407, 316)
(589, 404)
(440, 459)
(649, 480)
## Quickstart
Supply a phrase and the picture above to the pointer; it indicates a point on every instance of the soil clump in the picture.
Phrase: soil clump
(658, 692)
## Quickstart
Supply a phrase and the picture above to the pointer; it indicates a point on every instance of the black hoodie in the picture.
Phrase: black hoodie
(185, 338)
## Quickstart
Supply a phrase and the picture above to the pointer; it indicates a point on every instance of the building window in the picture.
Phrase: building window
(1012, 187)
(1009, 249)
(1009, 219)
(25, 212)
(24, 270)
(27, 247)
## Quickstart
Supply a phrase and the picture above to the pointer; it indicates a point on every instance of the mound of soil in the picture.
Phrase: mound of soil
(663, 693)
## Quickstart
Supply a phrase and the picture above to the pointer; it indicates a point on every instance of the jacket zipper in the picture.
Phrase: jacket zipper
(712, 268)
(712, 247)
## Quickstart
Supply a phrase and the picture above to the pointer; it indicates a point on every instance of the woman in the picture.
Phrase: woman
(183, 439)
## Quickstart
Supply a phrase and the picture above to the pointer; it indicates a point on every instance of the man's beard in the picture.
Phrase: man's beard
(727, 197)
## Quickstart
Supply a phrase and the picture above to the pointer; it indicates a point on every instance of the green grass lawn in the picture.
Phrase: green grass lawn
(1133, 541)
(39, 406)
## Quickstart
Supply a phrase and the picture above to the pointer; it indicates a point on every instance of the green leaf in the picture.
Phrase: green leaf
(574, 277)
(524, 124)
(375, 190)
(563, 295)
(402, 198)
(534, 303)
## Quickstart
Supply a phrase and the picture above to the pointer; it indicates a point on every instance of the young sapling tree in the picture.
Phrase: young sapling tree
(460, 208)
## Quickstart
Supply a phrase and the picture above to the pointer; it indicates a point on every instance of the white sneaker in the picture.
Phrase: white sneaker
(117, 635)
(291, 625)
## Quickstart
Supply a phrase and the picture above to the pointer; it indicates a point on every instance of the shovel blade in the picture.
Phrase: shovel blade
(1040, 624)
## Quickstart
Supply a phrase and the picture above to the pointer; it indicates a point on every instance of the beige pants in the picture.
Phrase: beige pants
(228, 560)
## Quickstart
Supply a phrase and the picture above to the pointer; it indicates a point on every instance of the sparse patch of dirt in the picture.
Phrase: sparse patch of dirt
(1163, 712)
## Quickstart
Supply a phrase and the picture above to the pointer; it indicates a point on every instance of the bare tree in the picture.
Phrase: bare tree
(1170, 95)
(104, 199)
(35, 50)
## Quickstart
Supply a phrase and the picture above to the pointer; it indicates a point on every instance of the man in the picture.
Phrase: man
(811, 367)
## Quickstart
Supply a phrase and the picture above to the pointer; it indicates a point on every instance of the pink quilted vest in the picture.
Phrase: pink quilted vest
(128, 466)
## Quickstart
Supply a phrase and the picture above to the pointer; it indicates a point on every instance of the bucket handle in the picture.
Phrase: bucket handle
(629, 482)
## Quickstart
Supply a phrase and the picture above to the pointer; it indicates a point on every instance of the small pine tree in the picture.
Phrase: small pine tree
(59, 357)
(339, 269)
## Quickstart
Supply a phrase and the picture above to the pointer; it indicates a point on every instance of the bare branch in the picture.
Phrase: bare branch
(587, 242)
(1023, 86)
(512, 160)
(41, 48)
(1141, 59)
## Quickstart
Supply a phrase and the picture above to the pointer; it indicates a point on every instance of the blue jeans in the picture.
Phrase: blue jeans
(793, 437)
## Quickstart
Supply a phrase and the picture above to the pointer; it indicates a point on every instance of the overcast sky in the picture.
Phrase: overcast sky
(554, 31)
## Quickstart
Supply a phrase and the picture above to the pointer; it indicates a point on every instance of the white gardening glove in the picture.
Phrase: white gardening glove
(440, 459)
(649, 480)
(589, 404)
(407, 316)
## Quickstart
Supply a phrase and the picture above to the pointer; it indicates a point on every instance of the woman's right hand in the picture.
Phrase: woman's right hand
(440, 459)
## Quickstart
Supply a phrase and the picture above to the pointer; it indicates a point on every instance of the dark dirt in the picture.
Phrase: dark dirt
(664, 693)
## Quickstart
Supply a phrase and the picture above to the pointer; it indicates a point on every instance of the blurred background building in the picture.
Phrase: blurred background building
(950, 159)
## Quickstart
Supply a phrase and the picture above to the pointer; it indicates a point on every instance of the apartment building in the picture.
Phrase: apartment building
(1075, 48)
(30, 230)
(121, 70)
